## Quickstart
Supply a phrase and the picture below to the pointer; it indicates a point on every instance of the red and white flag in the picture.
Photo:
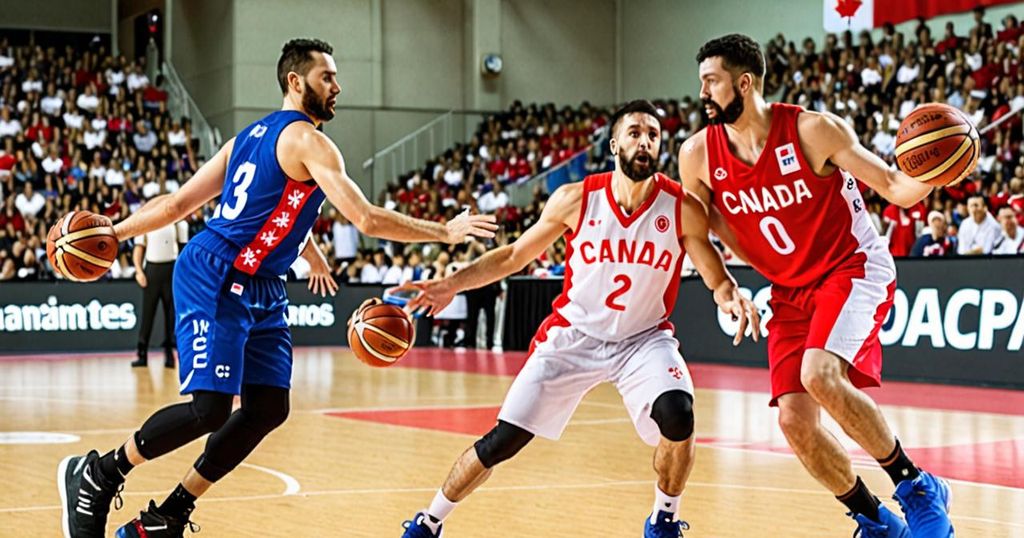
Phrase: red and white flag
(857, 15)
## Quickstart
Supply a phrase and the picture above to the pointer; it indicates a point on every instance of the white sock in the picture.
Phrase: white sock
(664, 502)
(439, 509)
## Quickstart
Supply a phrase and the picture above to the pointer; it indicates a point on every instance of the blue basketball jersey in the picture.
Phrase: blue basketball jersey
(263, 215)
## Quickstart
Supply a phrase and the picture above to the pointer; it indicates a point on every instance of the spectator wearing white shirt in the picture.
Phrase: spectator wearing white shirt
(8, 126)
(492, 200)
(176, 137)
(394, 275)
(979, 232)
(345, 237)
(869, 76)
(909, 69)
(28, 202)
(88, 100)
(114, 176)
(373, 272)
(72, 118)
(137, 80)
(144, 139)
(1012, 237)
(53, 164)
(93, 138)
(52, 103)
(32, 83)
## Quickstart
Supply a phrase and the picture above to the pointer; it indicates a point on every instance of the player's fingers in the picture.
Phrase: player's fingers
(332, 286)
(481, 232)
(483, 218)
(743, 326)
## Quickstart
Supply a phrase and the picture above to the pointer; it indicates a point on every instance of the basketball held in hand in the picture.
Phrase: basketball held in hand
(937, 145)
(380, 334)
(81, 246)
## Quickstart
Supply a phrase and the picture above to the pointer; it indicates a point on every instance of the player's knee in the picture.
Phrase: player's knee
(673, 412)
(211, 409)
(501, 443)
(819, 372)
(266, 408)
(795, 424)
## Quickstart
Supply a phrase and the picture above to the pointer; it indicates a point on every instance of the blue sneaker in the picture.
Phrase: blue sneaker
(890, 525)
(416, 528)
(925, 501)
(665, 526)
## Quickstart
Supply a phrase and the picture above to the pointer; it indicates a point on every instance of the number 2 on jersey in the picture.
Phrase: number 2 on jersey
(624, 284)
(243, 178)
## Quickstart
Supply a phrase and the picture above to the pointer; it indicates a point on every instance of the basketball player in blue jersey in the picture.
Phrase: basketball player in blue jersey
(231, 303)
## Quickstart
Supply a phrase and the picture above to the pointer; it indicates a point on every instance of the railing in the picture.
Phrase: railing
(410, 151)
(572, 169)
(181, 104)
(1001, 120)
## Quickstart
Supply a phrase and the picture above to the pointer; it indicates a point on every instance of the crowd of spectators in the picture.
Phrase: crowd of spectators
(85, 130)
(79, 130)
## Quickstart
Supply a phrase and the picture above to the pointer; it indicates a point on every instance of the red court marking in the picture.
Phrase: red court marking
(466, 420)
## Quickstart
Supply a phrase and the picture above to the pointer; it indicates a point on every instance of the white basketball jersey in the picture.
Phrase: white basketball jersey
(622, 272)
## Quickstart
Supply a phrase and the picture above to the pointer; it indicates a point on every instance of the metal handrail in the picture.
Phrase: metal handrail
(209, 136)
(1001, 120)
(405, 139)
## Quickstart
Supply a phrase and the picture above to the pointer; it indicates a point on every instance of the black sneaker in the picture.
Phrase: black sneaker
(153, 524)
(143, 357)
(169, 358)
(85, 496)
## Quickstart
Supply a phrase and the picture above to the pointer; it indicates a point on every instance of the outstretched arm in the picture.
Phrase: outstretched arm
(170, 208)
(842, 149)
(324, 162)
(561, 208)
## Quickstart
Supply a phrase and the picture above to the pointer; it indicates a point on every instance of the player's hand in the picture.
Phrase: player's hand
(140, 277)
(364, 304)
(321, 282)
(433, 296)
(470, 225)
(742, 310)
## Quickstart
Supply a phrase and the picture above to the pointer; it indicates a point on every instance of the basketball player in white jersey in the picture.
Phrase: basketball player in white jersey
(626, 233)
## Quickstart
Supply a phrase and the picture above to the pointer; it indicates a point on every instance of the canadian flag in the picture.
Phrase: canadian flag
(853, 15)
(857, 15)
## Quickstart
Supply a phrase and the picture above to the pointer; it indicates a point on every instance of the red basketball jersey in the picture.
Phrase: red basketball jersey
(793, 225)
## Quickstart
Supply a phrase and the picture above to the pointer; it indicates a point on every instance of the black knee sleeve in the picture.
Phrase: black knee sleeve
(501, 443)
(263, 409)
(177, 425)
(673, 412)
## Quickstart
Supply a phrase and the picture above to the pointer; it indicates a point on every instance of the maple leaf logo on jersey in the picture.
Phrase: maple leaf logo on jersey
(661, 223)
(282, 220)
(847, 8)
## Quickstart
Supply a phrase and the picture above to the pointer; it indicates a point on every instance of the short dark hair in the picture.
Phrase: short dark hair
(641, 106)
(295, 57)
(738, 53)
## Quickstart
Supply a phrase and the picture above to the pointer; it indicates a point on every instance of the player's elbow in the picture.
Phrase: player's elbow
(367, 221)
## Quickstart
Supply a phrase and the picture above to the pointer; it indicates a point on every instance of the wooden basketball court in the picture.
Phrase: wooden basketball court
(364, 449)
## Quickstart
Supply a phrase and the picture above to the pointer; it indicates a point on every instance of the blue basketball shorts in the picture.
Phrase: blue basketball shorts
(231, 328)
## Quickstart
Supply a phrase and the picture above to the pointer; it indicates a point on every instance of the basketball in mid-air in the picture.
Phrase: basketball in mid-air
(81, 246)
(937, 144)
(381, 334)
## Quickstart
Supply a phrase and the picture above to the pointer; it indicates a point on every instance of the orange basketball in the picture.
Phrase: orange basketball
(81, 246)
(937, 145)
(381, 334)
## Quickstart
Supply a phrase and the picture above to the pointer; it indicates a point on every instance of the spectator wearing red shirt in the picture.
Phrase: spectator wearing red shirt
(1016, 200)
(902, 226)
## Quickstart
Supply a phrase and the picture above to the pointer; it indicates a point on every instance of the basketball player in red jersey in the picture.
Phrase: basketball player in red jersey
(780, 186)
(626, 233)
